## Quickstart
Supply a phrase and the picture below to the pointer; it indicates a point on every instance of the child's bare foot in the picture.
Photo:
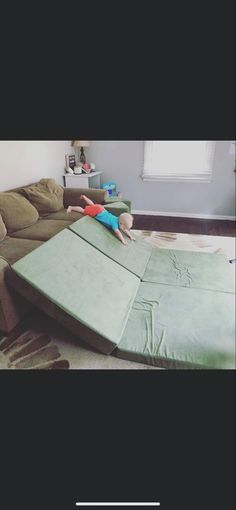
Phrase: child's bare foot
(69, 209)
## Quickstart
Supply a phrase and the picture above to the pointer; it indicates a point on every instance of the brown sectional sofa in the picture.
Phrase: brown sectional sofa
(40, 210)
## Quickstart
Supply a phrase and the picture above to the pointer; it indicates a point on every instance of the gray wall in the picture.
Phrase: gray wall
(122, 162)
(24, 162)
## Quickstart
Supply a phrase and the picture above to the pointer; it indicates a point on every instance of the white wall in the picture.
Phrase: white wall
(24, 162)
(122, 162)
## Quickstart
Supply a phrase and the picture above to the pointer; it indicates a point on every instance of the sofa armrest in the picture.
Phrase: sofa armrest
(111, 200)
(72, 196)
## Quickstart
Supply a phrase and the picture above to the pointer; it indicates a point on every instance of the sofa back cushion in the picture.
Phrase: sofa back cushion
(3, 230)
(17, 212)
(46, 196)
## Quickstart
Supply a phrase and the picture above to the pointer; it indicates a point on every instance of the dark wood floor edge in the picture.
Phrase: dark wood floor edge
(185, 225)
(185, 218)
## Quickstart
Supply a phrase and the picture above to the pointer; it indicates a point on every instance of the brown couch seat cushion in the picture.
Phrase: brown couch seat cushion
(3, 230)
(46, 196)
(14, 249)
(43, 230)
(63, 215)
(16, 211)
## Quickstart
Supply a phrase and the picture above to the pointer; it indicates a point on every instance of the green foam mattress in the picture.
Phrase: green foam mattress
(134, 256)
(177, 327)
(84, 283)
(208, 271)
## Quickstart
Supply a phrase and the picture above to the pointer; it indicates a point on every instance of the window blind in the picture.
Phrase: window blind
(178, 160)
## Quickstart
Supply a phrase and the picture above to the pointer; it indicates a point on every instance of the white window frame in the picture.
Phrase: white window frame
(191, 177)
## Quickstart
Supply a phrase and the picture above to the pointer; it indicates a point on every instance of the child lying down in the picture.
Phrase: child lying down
(120, 224)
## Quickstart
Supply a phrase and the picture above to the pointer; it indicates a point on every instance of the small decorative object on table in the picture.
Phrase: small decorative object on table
(86, 168)
(70, 163)
(78, 170)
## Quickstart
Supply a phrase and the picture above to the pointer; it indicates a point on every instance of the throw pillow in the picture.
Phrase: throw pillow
(3, 230)
(17, 212)
(46, 196)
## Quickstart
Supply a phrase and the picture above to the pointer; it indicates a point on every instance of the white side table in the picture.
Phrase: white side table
(92, 180)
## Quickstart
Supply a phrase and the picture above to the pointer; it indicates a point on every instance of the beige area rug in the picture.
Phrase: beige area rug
(40, 343)
(189, 242)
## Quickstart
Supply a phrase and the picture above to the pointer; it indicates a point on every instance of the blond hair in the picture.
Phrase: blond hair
(126, 219)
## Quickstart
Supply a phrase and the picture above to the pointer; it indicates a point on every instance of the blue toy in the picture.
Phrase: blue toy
(110, 187)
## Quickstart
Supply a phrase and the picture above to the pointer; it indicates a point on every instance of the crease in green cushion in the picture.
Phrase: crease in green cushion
(133, 257)
(209, 271)
(180, 327)
(83, 282)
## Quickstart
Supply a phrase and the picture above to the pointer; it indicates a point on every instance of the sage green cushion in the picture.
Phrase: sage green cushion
(16, 211)
(117, 208)
(133, 257)
(111, 200)
(177, 327)
(210, 271)
(3, 230)
(84, 283)
(46, 196)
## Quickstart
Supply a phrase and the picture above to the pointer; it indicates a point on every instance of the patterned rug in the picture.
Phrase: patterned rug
(41, 343)
(30, 347)
(189, 242)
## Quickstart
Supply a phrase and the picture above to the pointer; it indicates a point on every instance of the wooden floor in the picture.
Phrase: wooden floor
(185, 225)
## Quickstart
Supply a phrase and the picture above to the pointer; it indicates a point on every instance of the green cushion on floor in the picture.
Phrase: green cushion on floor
(190, 269)
(117, 208)
(133, 257)
(84, 283)
(177, 327)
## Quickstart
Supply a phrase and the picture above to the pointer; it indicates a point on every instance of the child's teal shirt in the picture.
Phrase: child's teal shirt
(108, 219)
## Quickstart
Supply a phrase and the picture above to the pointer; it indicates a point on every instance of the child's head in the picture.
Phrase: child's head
(126, 221)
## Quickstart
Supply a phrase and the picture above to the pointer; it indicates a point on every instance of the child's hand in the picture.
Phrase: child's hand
(128, 233)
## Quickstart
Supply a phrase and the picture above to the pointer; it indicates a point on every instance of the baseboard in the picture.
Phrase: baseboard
(185, 215)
